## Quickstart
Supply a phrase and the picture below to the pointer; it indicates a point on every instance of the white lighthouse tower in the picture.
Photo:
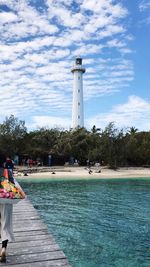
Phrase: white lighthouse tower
(77, 105)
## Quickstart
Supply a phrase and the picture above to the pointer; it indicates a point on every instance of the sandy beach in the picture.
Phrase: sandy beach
(83, 172)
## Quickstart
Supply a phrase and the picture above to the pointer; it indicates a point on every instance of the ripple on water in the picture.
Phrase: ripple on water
(97, 223)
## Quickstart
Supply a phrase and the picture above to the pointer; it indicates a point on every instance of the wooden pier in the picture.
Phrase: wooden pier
(33, 246)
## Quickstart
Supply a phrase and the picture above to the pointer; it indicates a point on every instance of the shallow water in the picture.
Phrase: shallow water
(97, 223)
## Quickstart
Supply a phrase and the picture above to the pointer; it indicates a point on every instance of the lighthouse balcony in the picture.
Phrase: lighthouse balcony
(78, 68)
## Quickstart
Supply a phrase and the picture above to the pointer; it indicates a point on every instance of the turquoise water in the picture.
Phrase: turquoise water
(97, 223)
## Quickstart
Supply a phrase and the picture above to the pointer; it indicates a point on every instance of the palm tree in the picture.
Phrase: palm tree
(132, 130)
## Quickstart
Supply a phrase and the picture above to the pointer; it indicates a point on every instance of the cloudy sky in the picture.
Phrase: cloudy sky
(39, 40)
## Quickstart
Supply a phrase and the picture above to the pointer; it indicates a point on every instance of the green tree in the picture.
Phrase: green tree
(111, 145)
(41, 141)
(132, 130)
(80, 142)
(12, 134)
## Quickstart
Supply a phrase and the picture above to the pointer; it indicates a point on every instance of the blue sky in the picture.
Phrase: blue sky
(39, 40)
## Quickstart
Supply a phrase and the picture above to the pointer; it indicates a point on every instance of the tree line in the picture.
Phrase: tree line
(109, 146)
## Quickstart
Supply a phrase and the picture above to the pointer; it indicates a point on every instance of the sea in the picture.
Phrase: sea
(97, 223)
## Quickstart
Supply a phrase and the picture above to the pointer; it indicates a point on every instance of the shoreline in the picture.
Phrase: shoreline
(82, 172)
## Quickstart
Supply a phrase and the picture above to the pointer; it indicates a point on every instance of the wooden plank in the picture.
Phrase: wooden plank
(31, 224)
(22, 244)
(34, 249)
(33, 237)
(35, 257)
(33, 245)
(29, 228)
(24, 211)
(23, 205)
(31, 240)
(52, 263)
(39, 232)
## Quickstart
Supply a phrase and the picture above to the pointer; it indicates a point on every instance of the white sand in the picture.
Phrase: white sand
(82, 172)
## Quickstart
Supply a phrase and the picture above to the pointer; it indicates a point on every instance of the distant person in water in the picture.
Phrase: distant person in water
(6, 211)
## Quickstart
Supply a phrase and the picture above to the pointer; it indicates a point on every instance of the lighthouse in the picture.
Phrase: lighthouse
(77, 104)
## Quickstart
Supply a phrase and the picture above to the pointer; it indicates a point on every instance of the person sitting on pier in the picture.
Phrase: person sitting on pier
(6, 211)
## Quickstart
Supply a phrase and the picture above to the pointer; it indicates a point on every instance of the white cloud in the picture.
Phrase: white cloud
(104, 6)
(65, 16)
(116, 43)
(37, 49)
(27, 22)
(49, 122)
(144, 5)
(7, 17)
(135, 104)
(88, 49)
(135, 112)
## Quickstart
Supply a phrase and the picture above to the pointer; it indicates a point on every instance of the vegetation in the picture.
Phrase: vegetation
(111, 146)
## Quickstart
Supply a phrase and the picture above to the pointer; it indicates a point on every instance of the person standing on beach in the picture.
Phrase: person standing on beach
(6, 212)
(9, 164)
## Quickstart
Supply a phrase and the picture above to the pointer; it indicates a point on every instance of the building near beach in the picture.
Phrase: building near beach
(77, 104)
